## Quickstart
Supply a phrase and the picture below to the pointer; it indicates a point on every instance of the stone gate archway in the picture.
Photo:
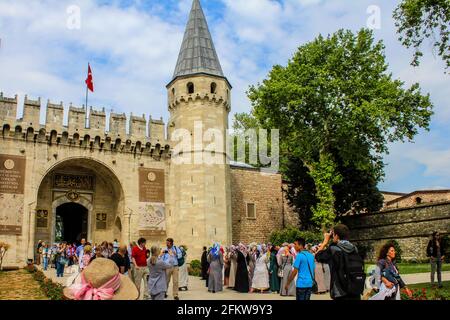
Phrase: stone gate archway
(88, 183)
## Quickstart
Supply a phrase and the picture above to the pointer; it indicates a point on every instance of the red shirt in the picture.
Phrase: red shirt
(140, 255)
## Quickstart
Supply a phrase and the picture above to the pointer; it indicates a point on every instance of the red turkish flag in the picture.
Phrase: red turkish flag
(89, 80)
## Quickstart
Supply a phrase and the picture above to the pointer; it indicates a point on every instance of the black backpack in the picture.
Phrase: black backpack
(355, 277)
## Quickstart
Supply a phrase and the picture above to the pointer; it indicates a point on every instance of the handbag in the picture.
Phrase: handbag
(281, 271)
(315, 288)
(63, 260)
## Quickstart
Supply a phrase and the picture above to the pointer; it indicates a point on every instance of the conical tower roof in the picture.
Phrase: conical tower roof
(197, 54)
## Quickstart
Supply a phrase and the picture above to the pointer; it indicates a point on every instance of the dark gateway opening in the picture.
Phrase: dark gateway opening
(71, 223)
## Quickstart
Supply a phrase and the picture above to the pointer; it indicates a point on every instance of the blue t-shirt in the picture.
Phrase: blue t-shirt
(302, 260)
(80, 249)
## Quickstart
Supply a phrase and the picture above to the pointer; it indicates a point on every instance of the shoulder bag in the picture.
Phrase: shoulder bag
(315, 288)
(281, 270)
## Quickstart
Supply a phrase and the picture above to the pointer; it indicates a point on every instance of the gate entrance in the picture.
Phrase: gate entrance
(71, 223)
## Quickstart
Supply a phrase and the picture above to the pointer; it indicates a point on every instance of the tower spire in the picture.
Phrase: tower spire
(197, 54)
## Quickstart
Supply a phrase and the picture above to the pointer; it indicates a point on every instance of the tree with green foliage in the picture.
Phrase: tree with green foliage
(336, 100)
(418, 20)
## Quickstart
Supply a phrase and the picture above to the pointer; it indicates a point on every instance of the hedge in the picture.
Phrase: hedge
(289, 235)
(54, 291)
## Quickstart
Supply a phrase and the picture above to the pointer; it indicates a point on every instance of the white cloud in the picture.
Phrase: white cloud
(133, 53)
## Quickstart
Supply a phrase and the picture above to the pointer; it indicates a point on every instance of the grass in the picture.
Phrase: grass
(19, 285)
(409, 268)
(433, 293)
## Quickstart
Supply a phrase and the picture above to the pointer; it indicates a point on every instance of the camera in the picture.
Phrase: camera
(166, 251)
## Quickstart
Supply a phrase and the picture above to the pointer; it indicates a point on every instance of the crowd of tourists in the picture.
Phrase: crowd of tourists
(264, 268)
(66, 255)
(297, 269)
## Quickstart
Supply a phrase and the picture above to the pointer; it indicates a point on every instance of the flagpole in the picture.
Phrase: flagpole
(86, 115)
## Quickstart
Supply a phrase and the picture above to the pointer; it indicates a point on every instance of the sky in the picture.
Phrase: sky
(133, 45)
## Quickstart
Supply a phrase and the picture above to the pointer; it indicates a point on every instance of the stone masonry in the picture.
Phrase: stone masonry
(411, 227)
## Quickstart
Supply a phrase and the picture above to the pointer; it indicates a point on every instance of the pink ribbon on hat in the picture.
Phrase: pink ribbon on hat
(105, 292)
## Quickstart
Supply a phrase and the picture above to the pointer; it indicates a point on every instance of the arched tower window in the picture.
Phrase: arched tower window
(190, 88)
(213, 87)
(173, 91)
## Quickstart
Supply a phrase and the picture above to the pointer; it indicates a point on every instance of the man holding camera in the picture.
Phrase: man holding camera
(171, 255)
(347, 267)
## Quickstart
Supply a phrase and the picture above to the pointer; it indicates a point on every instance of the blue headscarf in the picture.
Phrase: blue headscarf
(215, 250)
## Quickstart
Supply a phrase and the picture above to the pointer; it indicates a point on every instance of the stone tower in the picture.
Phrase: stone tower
(199, 105)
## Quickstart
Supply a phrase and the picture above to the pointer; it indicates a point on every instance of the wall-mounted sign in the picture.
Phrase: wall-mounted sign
(41, 218)
(151, 185)
(12, 174)
(10, 230)
(12, 181)
(100, 221)
(152, 218)
(152, 233)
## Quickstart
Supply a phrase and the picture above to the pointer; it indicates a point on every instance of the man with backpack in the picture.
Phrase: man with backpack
(347, 266)
(175, 259)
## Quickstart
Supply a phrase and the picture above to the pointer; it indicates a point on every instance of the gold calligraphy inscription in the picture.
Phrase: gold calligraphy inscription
(70, 181)
(12, 174)
(151, 185)
(42, 218)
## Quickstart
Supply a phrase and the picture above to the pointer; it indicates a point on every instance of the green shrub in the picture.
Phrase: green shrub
(195, 268)
(196, 264)
(290, 234)
(54, 291)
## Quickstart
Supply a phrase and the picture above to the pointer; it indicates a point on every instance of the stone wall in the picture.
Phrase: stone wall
(411, 227)
(418, 197)
(265, 191)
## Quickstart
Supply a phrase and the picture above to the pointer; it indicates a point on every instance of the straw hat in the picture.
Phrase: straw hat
(99, 272)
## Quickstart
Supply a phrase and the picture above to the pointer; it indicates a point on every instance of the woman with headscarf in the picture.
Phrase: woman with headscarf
(204, 264)
(215, 259)
(286, 263)
(241, 282)
(274, 280)
(261, 275)
(226, 261)
(251, 264)
(233, 266)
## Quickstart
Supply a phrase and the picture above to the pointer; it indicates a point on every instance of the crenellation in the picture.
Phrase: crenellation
(8, 109)
(54, 117)
(31, 113)
(97, 121)
(117, 125)
(156, 130)
(138, 127)
(77, 120)
(54, 132)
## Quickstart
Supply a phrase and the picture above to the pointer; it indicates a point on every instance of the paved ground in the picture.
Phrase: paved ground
(198, 291)
(423, 277)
